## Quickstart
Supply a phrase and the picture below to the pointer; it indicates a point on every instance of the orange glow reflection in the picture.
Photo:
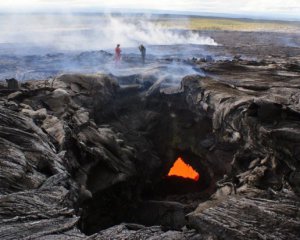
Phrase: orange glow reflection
(181, 169)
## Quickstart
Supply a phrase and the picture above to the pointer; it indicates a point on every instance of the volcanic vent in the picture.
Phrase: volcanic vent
(166, 177)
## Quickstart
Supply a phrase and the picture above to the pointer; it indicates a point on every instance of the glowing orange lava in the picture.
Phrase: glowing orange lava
(181, 169)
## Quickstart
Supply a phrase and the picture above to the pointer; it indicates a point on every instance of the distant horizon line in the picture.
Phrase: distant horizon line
(249, 16)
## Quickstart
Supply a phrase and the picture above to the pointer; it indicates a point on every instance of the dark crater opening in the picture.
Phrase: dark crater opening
(160, 128)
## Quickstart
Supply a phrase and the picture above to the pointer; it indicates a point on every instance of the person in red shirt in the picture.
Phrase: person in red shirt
(117, 53)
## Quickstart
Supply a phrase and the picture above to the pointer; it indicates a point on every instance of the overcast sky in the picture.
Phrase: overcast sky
(268, 7)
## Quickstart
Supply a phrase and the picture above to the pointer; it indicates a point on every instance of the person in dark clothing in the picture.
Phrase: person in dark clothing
(143, 52)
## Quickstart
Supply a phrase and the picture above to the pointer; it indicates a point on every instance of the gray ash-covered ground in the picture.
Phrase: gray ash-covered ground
(28, 62)
(160, 59)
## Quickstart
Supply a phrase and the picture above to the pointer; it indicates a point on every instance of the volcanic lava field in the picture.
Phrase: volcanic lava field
(200, 142)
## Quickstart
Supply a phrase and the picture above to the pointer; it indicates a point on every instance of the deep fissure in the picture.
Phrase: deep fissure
(152, 197)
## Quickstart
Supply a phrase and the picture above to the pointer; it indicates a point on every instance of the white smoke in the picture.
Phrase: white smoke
(90, 32)
(134, 31)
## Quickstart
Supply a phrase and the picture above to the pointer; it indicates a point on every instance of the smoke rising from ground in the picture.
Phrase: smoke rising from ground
(141, 31)
(90, 32)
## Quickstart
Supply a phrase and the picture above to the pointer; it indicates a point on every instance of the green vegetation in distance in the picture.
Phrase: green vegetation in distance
(201, 23)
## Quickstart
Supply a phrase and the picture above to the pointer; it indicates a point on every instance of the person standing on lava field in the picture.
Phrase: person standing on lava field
(143, 52)
(118, 53)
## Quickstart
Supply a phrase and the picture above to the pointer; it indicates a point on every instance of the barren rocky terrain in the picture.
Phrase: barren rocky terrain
(86, 156)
